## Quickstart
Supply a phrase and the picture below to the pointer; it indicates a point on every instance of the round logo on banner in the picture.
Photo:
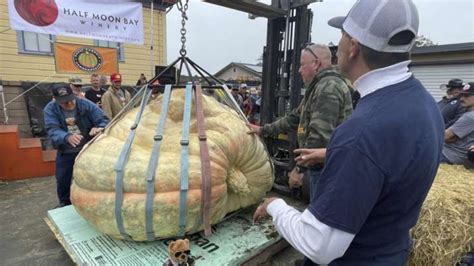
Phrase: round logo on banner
(37, 12)
(87, 59)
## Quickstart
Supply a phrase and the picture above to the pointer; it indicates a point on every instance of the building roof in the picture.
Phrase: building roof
(251, 68)
(457, 47)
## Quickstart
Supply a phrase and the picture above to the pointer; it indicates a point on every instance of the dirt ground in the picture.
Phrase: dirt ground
(27, 240)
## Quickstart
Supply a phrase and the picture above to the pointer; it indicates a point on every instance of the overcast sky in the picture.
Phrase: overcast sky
(217, 35)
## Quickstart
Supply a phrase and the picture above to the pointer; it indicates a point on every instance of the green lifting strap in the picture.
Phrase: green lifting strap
(122, 161)
(185, 159)
(153, 164)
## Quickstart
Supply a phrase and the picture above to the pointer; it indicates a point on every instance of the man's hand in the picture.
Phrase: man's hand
(261, 211)
(95, 130)
(295, 179)
(309, 157)
(74, 139)
(254, 129)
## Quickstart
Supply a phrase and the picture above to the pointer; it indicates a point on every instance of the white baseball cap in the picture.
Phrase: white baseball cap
(389, 26)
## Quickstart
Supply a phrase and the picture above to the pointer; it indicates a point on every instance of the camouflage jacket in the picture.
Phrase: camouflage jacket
(326, 104)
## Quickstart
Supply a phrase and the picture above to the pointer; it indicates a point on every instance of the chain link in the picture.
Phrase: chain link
(184, 17)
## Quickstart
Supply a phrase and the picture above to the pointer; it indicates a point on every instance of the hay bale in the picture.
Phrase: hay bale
(445, 229)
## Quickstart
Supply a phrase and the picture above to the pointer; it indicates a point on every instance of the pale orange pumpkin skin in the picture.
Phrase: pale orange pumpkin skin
(240, 166)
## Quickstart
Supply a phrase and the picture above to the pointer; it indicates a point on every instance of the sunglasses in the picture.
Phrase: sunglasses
(179, 253)
(307, 48)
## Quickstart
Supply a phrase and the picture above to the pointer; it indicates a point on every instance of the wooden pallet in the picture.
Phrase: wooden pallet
(23, 158)
(236, 241)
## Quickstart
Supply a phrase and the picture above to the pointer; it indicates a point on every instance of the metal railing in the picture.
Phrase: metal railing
(5, 104)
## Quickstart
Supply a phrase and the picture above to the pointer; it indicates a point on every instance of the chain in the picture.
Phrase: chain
(184, 17)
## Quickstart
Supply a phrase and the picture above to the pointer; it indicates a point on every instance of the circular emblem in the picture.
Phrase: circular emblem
(87, 59)
(37, 12)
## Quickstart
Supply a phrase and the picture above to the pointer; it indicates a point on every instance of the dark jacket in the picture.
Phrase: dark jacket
(88, 116)
(451, 109)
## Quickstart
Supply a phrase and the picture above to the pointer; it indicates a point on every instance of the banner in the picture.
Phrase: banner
(73, 58)
(117, 21)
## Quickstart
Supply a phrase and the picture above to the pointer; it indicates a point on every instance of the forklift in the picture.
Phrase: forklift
(288, 32)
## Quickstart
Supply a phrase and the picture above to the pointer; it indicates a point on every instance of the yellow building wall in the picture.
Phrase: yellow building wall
(15, 66)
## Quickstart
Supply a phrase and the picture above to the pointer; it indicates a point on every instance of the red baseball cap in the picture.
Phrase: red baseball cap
(115, 77)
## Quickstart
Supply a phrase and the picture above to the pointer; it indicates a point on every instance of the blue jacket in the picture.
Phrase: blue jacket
(88, 116)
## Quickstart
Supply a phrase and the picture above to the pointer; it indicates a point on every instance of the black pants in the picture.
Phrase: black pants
(64, 167)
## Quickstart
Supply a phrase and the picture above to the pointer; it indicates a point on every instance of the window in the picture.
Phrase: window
(109, 44)
(35, 43)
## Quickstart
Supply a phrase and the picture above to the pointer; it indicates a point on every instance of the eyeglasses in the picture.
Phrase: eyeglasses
(307, 48)
(179, 253)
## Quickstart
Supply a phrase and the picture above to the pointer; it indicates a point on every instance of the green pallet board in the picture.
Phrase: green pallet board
(233, 242)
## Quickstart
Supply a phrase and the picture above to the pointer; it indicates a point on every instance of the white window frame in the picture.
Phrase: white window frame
(118, 45)
(22, 45)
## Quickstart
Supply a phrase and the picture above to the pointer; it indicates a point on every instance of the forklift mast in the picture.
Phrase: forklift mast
(281, 84)
(288, 32)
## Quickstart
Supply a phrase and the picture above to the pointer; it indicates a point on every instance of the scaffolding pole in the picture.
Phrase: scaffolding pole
(152, 52)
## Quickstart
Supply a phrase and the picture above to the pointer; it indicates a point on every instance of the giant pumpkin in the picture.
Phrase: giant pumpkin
(241, 170)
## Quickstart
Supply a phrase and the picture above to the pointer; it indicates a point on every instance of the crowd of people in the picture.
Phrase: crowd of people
(457, 108)
(111, 99)
(249, 100)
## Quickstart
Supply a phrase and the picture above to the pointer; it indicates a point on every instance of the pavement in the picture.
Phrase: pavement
(27, 240)
(25, 237)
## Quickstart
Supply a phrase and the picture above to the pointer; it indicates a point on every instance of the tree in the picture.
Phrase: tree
(422, 41)
(260, 60)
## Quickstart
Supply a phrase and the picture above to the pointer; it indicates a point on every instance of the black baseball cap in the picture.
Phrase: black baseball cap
(468, 89)
(455, 83)
(63, 93)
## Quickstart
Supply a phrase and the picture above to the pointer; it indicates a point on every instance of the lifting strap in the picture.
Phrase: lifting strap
(185, 160)
(122, 161)
(153, 163)
(205, 163)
